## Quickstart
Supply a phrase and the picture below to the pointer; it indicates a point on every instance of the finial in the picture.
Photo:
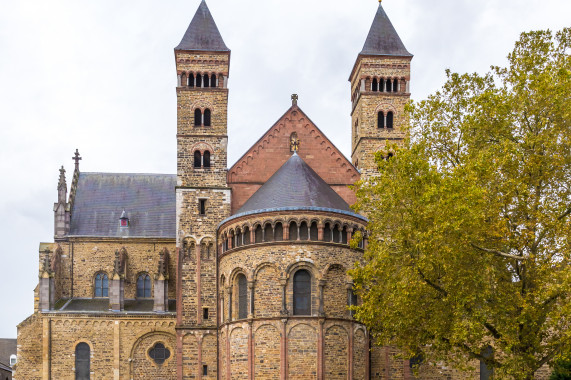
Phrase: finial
(61, 182)
(294, 98)
(76, 158)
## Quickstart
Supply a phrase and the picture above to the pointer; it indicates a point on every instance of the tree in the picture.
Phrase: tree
(469, 221)
(561, 369)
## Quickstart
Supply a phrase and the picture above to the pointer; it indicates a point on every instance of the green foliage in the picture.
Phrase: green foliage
(561, 369)
(470, 231)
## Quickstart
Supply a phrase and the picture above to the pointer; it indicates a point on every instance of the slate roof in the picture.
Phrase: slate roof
(202, 33)
(101, 305)
(7, 347)
(383, 39)
(294, 186)
(148, 200)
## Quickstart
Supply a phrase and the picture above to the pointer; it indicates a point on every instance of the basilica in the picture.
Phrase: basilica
(220, 272)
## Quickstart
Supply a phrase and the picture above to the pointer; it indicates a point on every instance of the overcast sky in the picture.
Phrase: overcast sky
(100, 76)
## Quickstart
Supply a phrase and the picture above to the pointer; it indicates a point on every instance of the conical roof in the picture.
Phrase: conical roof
(294, 186)
(202, 33)
(383, 39)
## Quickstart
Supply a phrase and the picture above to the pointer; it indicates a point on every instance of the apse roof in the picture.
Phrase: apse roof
(295, 186)
(202, 33)
(383, 39)
(147, 199)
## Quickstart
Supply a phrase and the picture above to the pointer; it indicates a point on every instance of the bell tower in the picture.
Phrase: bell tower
(202, 195)
(379, 91)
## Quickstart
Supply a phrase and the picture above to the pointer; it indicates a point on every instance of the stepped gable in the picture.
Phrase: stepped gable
(294, 186)
(147, 199)
(202, 33)
(383, 39)
(272, 150)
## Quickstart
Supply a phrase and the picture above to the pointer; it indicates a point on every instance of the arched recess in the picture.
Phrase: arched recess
(336, 353)
(335, 292)
(239, 354)
(267, 286)
(360, 353)
(267, 353)
(82, 361)
(302, 352)
(143, 366)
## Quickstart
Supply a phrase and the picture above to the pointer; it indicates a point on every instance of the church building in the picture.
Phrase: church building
(217, 272)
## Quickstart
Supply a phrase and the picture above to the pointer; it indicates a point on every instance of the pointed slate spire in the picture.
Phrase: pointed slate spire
(383, 39)
(202, 33)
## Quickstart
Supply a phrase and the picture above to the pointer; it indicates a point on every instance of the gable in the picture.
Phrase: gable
(272, 150)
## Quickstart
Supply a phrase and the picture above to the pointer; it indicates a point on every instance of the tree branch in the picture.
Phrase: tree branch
(497, 253)
(437, 287)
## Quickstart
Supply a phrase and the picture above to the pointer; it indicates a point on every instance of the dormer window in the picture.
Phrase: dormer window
(123, 220)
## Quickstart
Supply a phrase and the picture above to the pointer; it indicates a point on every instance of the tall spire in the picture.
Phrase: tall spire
(202, 33)
(383, 39)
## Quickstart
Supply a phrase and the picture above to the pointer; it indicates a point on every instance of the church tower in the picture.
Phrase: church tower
(379, 91)
(202, 194)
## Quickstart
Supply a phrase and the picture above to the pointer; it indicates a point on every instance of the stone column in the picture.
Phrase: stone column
(320, 352)
(117, 293)
(321, 303)
(252, 236)
(350, 351)
(283, 284)
(286, 232)
(229, 293)
(160, 297)
(320, 232)
(199, 337)
(349, 234)
(283, 350)
(116, 351)
(46, 349)
(251, 299)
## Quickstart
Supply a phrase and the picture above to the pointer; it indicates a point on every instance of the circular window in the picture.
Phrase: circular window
(159, 353)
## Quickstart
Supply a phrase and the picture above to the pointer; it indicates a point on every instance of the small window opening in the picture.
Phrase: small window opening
(313, 231)
(202, 206)
(268, 233)
(382, 85)
(206, 81)
(198, 80)
(389, 85)
(395, 85)
(344, 235)
(327, 232)
(259, 234)
(246, 235)
(389, 119)
(293, 231)
(303, 231)
(101, 285)
(205, 313)
(144, 286)
(278, 232)
(159, 353)
(381, 119)
(183, 81)
(207, 114)
(197, 159)
(191, 80)
(204, 370)
(206, 159)
(197, 117)
(375, 86)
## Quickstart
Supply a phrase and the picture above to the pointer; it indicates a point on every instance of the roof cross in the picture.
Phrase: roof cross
(294, 98)
(76, 158)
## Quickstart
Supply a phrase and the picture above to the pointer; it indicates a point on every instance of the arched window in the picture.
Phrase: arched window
(375, 86)
(197, 159)
(183, 81)
(214, 82)
(327, 232)
(303, 231)
(197, 117)
(293, 231)
(82, 361)
(259, 234)
(395, 85)
(144, 286)
(191, 80)
(344, 235)
(268, 233)
(278, 232)
(206, 159)
(101, 285)
(242, 297)
(313, 231)
(206, 81)
(302, 293)
(207, 117)
(389, 85)
(381, 85)
(336, 234)
(246, 235)
(381, 119)
(389, 119)
(198, 80)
